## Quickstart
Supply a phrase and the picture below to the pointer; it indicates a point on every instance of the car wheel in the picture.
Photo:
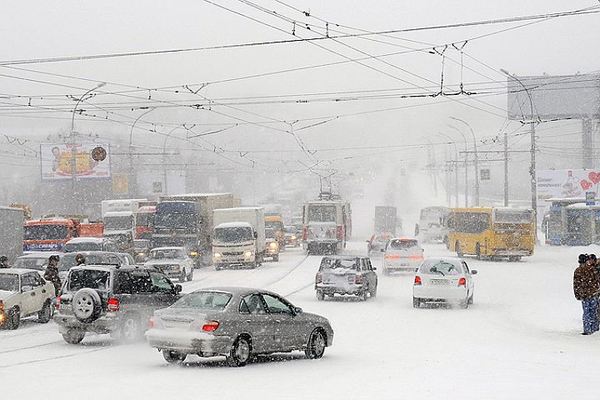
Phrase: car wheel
(416, 302)
(364, 295)
(276, 258)
(173, 357)
(464, 304)
(190, 276)
(240, 353)
(182, 276)
(316, 344)
(131, 329)
(458, 249)
(45, 313)
(471, 299)
(14, 318)
(373, 293)
(73, 336)
(86, 305)
(218, 267)
(320, 295)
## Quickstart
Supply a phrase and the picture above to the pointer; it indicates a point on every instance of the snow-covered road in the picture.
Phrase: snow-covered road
(519, 340)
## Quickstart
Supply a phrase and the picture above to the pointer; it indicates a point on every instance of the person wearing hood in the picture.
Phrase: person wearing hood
(586, 287)
(4, 262)
(51, 274)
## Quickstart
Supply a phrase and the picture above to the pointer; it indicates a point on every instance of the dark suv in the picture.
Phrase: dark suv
(111, 299)
(346, 275)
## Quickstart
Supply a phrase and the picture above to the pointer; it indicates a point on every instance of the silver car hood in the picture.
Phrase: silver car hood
(165, 261)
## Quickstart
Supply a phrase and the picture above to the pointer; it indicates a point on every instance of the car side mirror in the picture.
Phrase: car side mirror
(255, 235)
(26, 288)
(374, 268)
(473, 272)
(178, 288)
(297, 310)
(382, 250)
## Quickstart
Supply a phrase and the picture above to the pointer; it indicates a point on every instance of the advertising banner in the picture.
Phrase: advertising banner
(56, 161)
(566, 183)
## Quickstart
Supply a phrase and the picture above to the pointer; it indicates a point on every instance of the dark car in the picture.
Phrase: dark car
(67, 261)
(111, 299)
(346, 275)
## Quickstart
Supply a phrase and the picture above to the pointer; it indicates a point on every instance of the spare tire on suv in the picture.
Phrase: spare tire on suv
(87, 305)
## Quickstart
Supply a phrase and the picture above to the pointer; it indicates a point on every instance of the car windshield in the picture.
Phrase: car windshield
(339, 263)
(166, 253)
(233, 234)
(45, 232)
(119, 223)
(440, 268)
(83, 246)
(31, 263)
(204, 300)
(9, 282)
(88, 278)
(402, 244)
(270, 233)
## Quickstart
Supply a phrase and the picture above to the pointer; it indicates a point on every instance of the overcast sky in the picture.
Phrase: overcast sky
(40, 29)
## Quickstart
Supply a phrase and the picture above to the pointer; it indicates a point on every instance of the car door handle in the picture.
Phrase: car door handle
(277, 321)
(248, 321)
(33, 293)
(44, 291)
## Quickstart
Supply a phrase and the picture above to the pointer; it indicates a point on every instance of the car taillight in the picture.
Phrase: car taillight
(210, 326)
(358, 279)
(304, 233)
(417, 280)
(1, 307)
(319, 278)
(113, 304)
(462, 282)
(340, 232)
(416, 257)
(57, 304)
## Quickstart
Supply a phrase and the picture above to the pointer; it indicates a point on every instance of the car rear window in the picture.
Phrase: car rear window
(441, 268)
(339, 263)
(204, 300)
(31, 263)
(83, 246)
(89, 278)
(9, 282)
(402, 244)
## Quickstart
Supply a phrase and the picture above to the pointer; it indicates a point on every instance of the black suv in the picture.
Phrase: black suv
(111, 299)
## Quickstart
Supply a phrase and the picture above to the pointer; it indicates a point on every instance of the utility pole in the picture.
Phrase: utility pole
(466, 165)
(505, 168)
(454, 166)
(475, 158)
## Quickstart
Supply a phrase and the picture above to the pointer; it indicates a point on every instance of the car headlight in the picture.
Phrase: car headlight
(248, 254)
(273, 245)
(193, 253)
(217, 255)
(294, 237)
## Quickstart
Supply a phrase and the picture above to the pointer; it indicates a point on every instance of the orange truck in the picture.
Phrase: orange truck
(49, 234)
(91, 229)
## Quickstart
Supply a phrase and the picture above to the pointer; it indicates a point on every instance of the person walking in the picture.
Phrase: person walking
(586, 286)
(4, 262)
(51, 274)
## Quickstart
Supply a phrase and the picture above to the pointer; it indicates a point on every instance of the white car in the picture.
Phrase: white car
(402, 254)
(443, 280)
(80, 244)
(173, 262)
(23, 292)
(35, 260)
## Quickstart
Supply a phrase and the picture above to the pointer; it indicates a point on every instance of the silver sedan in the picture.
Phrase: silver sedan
(236, 323)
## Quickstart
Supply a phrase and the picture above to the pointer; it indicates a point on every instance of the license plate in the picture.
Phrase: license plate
(439, 282)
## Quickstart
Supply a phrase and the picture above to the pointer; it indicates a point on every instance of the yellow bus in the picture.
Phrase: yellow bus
(489, 232)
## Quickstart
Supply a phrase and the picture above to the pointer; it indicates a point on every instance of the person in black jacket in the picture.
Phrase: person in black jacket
(51, 274)
(586, 287)
(4, 262)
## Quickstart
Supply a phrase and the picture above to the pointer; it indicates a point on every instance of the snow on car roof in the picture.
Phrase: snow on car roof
(18, 271)
(86, 240)
(41, 254)
(234, 225)
(168, 248)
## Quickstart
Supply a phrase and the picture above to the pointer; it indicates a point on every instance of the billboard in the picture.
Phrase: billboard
(566, 183)
(553, 97)
(56, 161)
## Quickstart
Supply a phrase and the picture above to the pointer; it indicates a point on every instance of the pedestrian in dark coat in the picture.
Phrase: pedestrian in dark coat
(51, 274)
(586, 287)
(4, 262)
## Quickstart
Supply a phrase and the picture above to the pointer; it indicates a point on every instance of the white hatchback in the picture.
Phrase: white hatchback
(402, 254)
(443, 280)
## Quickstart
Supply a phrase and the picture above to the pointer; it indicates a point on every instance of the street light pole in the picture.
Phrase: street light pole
(476, 158)
(532, 167)
(466, 165)
(455, 167)
(133, 177)
(74, 145)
